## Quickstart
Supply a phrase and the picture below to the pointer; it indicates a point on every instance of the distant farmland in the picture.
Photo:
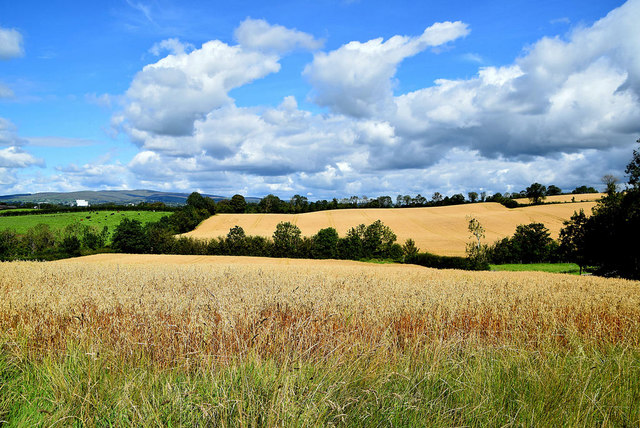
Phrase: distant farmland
(97, 219)
(440, 230)
(581, 197)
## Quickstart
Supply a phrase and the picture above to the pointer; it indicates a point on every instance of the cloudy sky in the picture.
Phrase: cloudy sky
(324, 98)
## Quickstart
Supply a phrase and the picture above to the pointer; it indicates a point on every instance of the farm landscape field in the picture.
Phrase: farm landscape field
(247, 341)
(439, 230)
(98, 219)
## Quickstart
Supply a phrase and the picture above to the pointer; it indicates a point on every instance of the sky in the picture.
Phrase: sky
(322, 98)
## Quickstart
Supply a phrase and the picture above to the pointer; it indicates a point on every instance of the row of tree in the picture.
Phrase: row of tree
(608, 240)
(43, 243)
(361, 242)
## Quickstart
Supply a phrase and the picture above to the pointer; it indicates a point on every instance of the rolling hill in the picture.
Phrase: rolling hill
(120, 197)
(439, 230)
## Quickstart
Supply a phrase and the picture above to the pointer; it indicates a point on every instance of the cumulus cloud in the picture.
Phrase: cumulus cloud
(567, 111)
(8, 134)
(167, 97)
(355, 79)
(258, 34)
(173, 45)
(15, 157)
(561, 96)
(10, 43)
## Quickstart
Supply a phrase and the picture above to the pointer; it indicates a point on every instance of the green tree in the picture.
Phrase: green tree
(325, 244)
(553, 190)
(270, 204)
(238, 203)
(532, 243)
(236, 241)
(71, 246)
(287, 240)
(199, 202)
(633, 169)
(378, 239)
(473, 196)
(536, 193)
(475, 250)
(409, 249)
(40, 238)
(129, 237)
(572, 239)
(9, 244)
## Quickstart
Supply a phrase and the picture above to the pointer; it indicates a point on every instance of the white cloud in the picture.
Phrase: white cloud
(8, 134)
(10, 43)
(356, 78)
(566, 112)
(167, 97)
(14, 157)
(173, 45)
(258, 34)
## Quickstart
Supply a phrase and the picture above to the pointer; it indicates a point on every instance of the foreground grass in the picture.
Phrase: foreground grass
(570, 268)
(442, 385)
(314, 344)
(97, 219)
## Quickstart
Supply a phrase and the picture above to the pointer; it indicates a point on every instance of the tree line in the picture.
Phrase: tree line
(300, 204)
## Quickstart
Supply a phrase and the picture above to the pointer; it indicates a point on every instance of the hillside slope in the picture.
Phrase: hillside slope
(440, 230)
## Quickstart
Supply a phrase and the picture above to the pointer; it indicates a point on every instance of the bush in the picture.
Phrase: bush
(446, 262)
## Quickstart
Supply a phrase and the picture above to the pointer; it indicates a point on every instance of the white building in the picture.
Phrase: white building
(82, 203)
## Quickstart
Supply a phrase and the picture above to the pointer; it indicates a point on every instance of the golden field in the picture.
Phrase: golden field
(176, 308)
(581, 197)
(438, 230)
(128, 340)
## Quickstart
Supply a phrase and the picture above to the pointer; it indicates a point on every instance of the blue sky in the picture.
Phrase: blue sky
(320, 98)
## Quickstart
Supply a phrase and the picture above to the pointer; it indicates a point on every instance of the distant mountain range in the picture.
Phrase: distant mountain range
(121, 197)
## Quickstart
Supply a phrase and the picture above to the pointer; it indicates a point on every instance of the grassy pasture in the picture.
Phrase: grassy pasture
(438, 230)
(234, 341)
(97, 219)
(570, 268)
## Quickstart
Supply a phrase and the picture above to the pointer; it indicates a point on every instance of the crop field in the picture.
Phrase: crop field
(97, 219)
(234, 341)
(438, 230)
(581, 197)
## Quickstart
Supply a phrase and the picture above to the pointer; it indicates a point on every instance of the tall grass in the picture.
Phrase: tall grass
(314, 345)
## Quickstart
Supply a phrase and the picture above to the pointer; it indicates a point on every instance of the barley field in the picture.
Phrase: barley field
(438, 230)
(240, 341)
(581, 197)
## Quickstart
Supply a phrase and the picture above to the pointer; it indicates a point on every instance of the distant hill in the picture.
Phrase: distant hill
(121, 197)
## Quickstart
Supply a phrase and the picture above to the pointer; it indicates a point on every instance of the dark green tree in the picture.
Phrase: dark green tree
(532, 243)
(377, 240)
(325, 244)
(238, 203)
(129, 237)
(409, 249)
(553, 190)
(71, 246)
(536, 193)
(633, 169)
(236, 241)
(572, 239)
(271, 204)
(287, 240)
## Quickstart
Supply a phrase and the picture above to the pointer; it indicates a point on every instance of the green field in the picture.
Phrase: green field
(97, 219)
(570, 268)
